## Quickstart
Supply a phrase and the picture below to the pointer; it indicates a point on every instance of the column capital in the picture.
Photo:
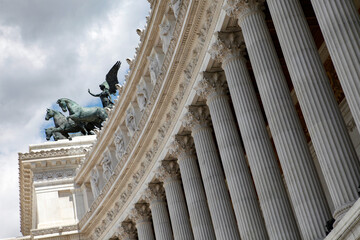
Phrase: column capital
(155, 191)
(212, 84)
(141, 212)
(197, 117)
(243, 8)
(182, 146)
(169, 170)
(127, 230)
(228, 45)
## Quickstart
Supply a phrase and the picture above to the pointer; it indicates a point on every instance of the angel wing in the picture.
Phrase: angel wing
(111, 77)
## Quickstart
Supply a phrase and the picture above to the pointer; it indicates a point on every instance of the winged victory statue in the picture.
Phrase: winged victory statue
(108, 87)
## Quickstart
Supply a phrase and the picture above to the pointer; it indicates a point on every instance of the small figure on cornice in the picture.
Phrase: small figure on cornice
(154, 69)
(108, 87)
(142, 97)
(107, 168)
(119, 144)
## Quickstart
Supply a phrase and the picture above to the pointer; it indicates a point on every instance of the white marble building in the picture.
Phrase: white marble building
(239, 120)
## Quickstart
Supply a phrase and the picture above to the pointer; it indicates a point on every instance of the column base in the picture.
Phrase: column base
(340, 212)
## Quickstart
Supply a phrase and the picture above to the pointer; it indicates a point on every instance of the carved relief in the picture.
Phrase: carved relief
(175, 6)
(95, 182)
(130, 120)
(154, 68)
(166, 32)
(106, 165)
(119, 144)
(142, 96)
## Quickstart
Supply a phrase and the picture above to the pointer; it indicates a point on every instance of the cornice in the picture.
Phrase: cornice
(167, 105)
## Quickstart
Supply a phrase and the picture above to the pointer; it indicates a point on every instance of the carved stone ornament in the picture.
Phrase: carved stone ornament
(154, 69)
(182, 146)
(141, 212)
(127, 230)
(196, 117)
(155, 191)
(243, 8)
(165, 35)
(142, 96)
(169, 170)
(130, 121)
(227, 46)
(106, 165)
(211, 84)
(94, 181)
(175, 6)
(119, 142)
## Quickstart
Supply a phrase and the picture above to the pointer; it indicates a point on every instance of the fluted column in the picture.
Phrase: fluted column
(340, 25)
(141, 214)
(327, 129)
(304, 186)
(221, 211)
(183, 148)
(212, 87)
(155, 195)
(127, 231)
(169, 173)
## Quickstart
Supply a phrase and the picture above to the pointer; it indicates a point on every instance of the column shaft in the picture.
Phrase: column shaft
(340, 25)
(285, 126)
(327, 129)
(241, 187)
(178, 211)
(196, 199)
(221, 211)
(161, 220)
(262, 160)
(145, 230)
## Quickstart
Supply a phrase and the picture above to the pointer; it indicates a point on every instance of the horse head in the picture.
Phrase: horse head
(62, 104)
(49, 114)
(48, 133)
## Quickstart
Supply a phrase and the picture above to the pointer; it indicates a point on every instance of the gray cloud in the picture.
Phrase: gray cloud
(51, 49)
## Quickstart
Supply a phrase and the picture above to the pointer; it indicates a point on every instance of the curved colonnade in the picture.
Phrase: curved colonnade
(205, 140)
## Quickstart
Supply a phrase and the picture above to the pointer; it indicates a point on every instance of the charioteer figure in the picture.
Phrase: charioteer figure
(108, 87)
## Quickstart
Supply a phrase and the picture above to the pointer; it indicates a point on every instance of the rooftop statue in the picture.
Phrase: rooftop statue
(83, 115)
(108, 87)
(63, 126)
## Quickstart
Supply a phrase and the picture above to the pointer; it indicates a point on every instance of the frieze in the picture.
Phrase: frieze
(54, 175)
(163, 129)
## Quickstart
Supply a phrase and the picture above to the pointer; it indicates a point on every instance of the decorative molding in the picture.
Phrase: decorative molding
(53, 153)
(54, 175)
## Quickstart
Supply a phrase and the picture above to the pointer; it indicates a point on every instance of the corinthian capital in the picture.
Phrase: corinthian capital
(141, 212)
(168, 170)
(155, 191)
(127, 230)
(243, 8)
(227, 45)
(211, 84)
(183, 145)
(196, 117)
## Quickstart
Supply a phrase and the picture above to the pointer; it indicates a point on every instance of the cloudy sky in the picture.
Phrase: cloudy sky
(51, 49)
